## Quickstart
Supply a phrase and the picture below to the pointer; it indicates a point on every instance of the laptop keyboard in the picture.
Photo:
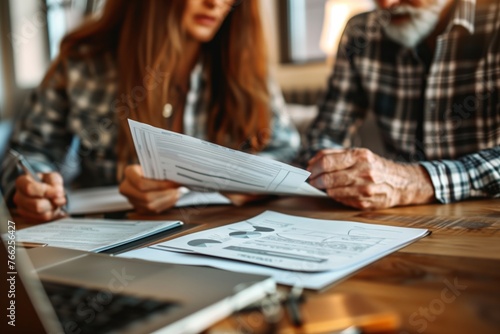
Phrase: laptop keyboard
(82, 310)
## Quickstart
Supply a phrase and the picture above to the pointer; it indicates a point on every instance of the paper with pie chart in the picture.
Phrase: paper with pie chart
(296, 243)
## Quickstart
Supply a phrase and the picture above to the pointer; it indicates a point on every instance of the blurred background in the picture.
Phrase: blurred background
(302, 36)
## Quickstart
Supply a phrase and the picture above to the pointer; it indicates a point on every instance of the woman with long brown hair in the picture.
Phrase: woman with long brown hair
(197, 67)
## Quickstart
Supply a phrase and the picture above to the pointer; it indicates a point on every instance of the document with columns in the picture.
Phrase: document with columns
(201, 165)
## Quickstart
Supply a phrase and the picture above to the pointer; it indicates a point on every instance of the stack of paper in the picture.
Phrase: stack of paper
(109, 199)
(95, 235)
(294, 250)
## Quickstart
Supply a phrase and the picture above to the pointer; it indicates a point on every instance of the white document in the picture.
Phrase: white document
(315, 281)
(198, 164)
(109, 199)
(97, 200)
(296, 243)
(201, 199)
(93, 235)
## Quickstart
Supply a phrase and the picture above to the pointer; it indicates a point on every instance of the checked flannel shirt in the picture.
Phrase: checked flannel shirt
(77, 110)
(441, 110)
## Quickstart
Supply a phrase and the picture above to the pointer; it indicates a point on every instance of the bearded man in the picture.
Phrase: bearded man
(430, 72)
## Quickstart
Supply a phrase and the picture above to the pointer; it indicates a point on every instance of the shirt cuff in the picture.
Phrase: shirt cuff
(450, 180)
(484, 172)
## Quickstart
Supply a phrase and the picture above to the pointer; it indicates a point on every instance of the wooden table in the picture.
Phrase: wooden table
(448, 282)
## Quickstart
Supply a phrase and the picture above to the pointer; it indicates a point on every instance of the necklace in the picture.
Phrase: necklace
(167, 110)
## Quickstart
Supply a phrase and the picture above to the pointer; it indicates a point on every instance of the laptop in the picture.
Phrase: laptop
(55, 290)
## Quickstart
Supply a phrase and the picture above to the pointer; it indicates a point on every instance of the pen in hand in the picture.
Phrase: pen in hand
(23, 164)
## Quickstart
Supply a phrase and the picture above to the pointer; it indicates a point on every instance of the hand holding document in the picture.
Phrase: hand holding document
(201, 165)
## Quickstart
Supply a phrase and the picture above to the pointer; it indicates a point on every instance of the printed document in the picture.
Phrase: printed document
(97, 200)
(201, 165)
(94, 235)
(309, 280)
(109, 199)
(296, 243)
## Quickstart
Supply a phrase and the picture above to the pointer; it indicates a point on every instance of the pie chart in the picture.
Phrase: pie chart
(203, 242)
(244, 234)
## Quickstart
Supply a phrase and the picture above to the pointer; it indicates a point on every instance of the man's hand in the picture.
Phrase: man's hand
(147, 195)
(364, 180)
(40, 201)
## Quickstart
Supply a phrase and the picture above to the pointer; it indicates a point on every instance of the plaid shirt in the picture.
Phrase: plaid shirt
(69, 125)
(441, 110)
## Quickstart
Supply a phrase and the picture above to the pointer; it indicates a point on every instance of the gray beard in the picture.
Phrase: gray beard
(421, 24)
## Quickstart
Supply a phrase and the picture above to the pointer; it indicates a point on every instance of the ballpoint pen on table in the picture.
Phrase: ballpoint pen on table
(27, 169)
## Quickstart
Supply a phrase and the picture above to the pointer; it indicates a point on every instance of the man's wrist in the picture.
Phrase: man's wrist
(424, 190)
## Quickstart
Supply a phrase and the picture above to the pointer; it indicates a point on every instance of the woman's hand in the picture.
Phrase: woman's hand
(40, 201)
(241, 199)
(148, 195)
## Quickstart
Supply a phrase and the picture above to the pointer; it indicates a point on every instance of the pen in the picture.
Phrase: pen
(23, 164)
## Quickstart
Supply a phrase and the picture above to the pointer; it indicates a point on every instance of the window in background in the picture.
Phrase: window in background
(337, 13)
(5, 125)
(311, 29)
(2, 78)
(57, 25)
(28, 40)
(27, 47)
(303, 24)
(65, 15)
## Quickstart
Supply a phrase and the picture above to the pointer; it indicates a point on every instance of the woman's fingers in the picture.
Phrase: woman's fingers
(40, 201)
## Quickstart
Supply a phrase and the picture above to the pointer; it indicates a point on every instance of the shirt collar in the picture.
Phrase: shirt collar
(464, 15)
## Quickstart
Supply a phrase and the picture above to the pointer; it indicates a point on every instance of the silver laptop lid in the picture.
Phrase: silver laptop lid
(204, 295)
(27, 306)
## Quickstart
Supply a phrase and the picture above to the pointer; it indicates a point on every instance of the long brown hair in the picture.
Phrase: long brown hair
(146, 36)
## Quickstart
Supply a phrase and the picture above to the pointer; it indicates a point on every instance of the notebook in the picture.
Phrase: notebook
(69, 291)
